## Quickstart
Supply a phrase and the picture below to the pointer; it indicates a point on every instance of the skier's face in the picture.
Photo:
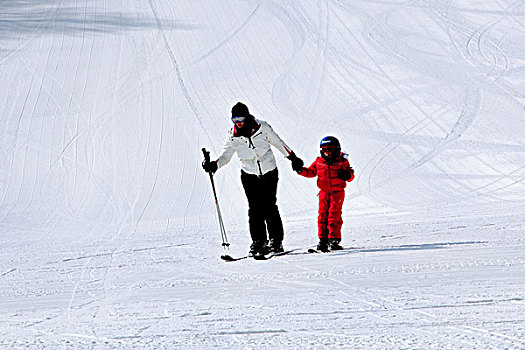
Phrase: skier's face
(239, 125)
(239, 121)
(328, 151)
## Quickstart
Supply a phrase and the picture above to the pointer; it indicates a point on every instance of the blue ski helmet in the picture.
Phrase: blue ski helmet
(331, 143)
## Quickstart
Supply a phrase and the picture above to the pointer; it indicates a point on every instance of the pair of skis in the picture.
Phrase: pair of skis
(229, 258)
(312, 250)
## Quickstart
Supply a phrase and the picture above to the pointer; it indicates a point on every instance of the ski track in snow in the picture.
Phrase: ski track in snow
(109, 231)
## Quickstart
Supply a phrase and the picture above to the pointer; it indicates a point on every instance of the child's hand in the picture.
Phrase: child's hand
(345, 175)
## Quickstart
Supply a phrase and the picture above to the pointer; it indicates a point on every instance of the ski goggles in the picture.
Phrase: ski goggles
(239, 119)
(328, 149)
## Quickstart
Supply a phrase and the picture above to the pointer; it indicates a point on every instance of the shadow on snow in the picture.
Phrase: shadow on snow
(49, 17)
(404, 247)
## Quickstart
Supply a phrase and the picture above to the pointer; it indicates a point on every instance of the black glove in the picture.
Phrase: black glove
(209, 166)
(345, 175)
(297, 163)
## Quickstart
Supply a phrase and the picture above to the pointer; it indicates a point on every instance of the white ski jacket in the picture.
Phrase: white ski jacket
(254, 152)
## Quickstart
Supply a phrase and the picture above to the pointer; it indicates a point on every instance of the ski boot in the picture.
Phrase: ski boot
(323, 245)
(276, 246)
(258, 249)
(334, 244)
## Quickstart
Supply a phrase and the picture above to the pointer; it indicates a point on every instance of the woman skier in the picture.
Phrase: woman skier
(252, 139)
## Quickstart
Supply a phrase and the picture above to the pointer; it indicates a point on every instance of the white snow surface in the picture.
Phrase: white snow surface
(109, 237)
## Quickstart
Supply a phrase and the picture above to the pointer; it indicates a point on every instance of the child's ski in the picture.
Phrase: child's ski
(328, 250)
(312, 250)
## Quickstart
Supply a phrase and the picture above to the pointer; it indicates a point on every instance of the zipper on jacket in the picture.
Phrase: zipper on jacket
(259, 165)
(250, 144)
(329, 176)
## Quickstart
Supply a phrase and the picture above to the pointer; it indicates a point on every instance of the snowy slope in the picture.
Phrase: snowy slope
(108, 229)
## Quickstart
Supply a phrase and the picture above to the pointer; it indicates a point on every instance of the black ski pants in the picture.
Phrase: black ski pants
(263, 213)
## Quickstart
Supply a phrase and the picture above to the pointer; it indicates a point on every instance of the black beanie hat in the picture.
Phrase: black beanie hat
(240, 110)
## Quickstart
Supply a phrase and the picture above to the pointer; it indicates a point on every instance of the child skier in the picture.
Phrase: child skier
(333, 171)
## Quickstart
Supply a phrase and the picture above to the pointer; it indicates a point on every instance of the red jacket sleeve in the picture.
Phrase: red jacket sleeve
(311, 171)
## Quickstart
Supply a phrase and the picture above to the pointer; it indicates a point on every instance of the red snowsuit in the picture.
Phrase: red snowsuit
(332, 194)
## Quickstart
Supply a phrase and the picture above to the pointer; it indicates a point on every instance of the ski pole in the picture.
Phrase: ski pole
(219, 215)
